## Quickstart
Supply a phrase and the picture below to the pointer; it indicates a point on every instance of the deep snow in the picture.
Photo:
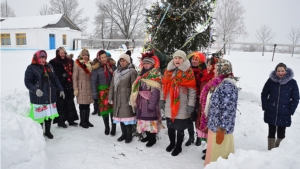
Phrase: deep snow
(23, 146)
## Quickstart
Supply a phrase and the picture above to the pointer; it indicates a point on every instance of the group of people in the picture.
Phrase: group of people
(193, 93)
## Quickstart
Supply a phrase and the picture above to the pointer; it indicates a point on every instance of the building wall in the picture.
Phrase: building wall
(37, 39)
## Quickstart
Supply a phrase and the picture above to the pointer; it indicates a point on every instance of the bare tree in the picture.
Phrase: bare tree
(6, 10)
(69, 8)
(264, 35)
(229, 20)
(124, 15)
(294, 36)
(45, 10)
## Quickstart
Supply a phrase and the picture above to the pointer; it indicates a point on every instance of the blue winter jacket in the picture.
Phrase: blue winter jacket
(35, 79)
(280, 98)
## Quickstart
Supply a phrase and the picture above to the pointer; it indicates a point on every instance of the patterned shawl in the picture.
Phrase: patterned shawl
(152, 78)
(171, 85)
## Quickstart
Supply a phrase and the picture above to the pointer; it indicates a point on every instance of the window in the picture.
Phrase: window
(64, 38)
(21, 38)
(5, 39)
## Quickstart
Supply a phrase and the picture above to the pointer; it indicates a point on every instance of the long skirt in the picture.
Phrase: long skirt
(104, 107)
(41, 112)
(214, 150)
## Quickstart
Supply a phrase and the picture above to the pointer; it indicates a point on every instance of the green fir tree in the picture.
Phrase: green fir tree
(178, 28)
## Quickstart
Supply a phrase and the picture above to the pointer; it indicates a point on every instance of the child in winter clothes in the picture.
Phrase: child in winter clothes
(179, 94)
(103, 68)
(42, 83)
(119, 94)
(82, 87)
(63, 67)
(280, 98)
(145, 97)
(220, 108)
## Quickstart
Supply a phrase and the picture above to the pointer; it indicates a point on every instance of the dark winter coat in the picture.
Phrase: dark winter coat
(35, 79)
(280, 98)
(120, 89)
(64, 77)
(98, 76)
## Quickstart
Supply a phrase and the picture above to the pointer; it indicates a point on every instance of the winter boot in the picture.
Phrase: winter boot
(178, 149)
(113, 126)
(87, 118)
(48, 126)
(61, 122)
(198, 141)
(106, 124)
(203, 157)
(72, 123)
(271, 143)
(129, 133)
(277, 143)
(124, 132)
(171, 134)
(191, 134)
(152, 140)
(83, 119)
(96, 108)
(146, 138)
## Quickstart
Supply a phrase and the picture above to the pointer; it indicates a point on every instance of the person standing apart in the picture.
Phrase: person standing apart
(221, 108)
(82, 87)
(42, 83)
(63, 67)
(179, 92)
(279, 98)
(102, 72)
(119, 95)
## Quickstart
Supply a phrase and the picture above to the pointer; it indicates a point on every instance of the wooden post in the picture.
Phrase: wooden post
(274, 51)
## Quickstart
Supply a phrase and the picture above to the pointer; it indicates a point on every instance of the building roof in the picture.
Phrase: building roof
(38, 22)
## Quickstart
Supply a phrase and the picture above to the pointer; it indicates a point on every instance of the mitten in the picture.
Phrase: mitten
(62, 94)
(76, 92)
(190, 109)
(220, 135)
(162, 104)
(110, 102)
(39, 93)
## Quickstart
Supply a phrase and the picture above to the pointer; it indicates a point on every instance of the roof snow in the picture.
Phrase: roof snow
(27, 22)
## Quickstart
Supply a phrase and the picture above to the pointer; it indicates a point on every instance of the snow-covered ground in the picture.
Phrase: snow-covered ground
(23, 146)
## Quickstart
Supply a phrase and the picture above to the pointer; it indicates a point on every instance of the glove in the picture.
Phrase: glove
(220, 135)
(62, 94)
(110, 102)
(39, 93)
(76, 92)
(162, 104)
(190, 109)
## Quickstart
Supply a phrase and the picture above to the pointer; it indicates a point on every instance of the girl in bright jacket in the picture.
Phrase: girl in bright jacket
(221, 108)
(179, 92)
(82, 87)
(145, 97)
(280, 98)
(42, 83)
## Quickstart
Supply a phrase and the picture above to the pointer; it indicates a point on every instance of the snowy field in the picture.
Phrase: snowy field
(23, 146)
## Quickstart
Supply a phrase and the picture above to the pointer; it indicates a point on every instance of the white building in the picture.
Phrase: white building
(39, 33)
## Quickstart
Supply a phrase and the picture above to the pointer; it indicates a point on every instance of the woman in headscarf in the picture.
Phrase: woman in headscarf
(63, 67)
(221, 108)
(179, 92)
(119, 95)
(82, 87)
(102, 72)
(145, 97)
(42, 83)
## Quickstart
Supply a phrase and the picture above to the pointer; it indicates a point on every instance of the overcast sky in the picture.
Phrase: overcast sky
(280, 15)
